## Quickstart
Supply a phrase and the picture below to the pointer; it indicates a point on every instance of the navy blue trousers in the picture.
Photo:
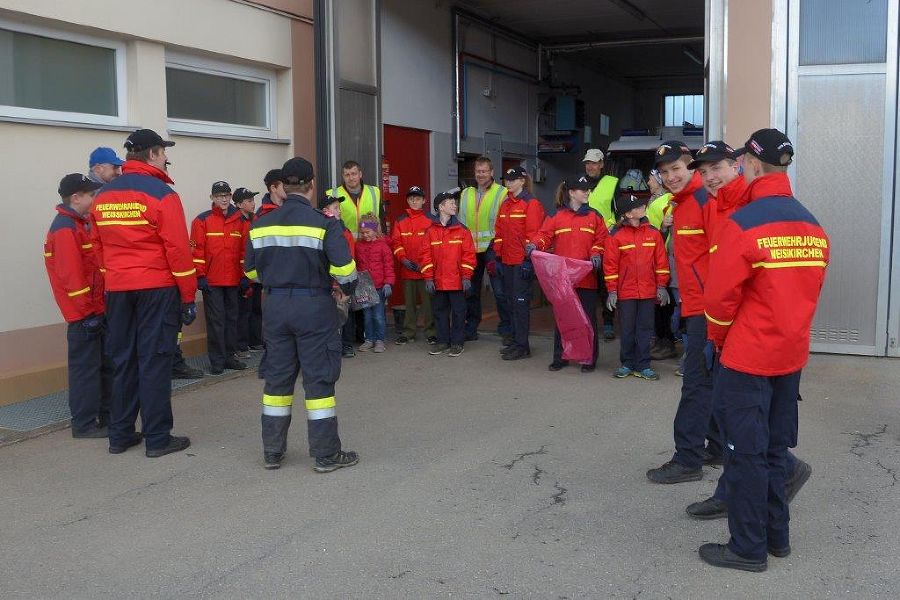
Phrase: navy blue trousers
(249, 324)
(143, 332)
(90, 378)
(759, 419)
(450, 317)
(694, 415)
(637, 320)
(518, 301)
(473, 301)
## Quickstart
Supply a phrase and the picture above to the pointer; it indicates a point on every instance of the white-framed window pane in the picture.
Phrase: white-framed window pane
(839, 32)
(670, 111)
(44, 73)
(213, 98)
(678, 109)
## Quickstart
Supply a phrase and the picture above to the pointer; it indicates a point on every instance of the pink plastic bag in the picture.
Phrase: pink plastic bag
(558, 276)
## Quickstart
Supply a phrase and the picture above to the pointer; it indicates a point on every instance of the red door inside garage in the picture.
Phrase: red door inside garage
(406, 163)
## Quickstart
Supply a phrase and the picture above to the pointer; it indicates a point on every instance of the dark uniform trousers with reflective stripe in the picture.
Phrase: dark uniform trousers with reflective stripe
(693, 420)
(518, 300)
(302, 335)
(758, 416)
(90, 377)
(143, 332)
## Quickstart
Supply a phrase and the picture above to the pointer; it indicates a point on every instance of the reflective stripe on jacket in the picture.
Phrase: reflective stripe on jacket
(480, 217)
(71, 263)
(692, 218)
(408, 239)
(572, 234)
(635, 263)
(369, 202)
(764, 281)
(449, 256)
(518, 221)
(218, 240)
(139, 230)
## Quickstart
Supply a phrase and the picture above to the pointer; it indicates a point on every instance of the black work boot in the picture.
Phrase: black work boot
(338, 460)
(557, 365)
(136, 439)
(185, 371)
(796, 480)
(517, 354)
(273, 460)
(719, 555)
(709, 509)
(672, 472)
(176, 444)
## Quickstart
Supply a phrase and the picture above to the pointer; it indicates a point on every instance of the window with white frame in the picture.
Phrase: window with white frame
(215, 97)
(60, 76)
(678, 110)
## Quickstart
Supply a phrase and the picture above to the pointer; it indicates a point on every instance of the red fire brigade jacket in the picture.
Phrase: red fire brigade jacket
(408, 239)
(635, 263)
(765, 281)
(518, 221)
(449, 256)
(139, 232)
(75, 276)
(218, 241)
(573, 234)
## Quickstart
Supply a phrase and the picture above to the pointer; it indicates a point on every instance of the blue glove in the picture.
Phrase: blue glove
(188, 312)
(662, 296)
(202, 284)
(467, 286)
(527, 270)
(529, 248)
(410, 265)
(387, 290)
(94, 323)
(709, 353)
(611, 300)
(597, 262)
(429, 287)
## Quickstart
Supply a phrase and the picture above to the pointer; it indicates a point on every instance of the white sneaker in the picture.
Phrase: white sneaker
(379, 347)
(366, 346)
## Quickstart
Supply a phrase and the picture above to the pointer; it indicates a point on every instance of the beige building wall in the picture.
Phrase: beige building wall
(748, 75)
(35, 156)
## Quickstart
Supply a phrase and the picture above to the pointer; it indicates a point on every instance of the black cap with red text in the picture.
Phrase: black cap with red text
(670, 152)
(712, 152)
(770, 146)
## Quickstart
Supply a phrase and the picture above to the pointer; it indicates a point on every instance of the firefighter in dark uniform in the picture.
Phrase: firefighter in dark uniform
(294, 252)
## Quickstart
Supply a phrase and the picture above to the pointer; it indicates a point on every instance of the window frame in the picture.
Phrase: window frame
(119, 48)
(666, 96)
(231, 70)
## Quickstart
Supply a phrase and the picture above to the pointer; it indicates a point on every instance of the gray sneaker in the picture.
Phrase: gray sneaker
(366, 346)
(379, 347)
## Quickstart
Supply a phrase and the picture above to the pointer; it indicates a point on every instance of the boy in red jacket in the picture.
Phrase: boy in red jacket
(636, 271)
(218, 239)
(408, 242)
(449, 259)
(374, 255)
(77, 285)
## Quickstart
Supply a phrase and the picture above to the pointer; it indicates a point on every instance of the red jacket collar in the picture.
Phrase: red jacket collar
(414, 213)
(141, 168)
(773, 184)
(225, 213)
(70, 212)
(693, 185)
(732, 195)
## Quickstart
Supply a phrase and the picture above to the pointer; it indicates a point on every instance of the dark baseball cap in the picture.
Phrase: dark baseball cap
(241, 194)
(326, 200)
(670, 152)
(296, 171)
(221, 187)
(625, 202)
(454, 194)
(415, 191)
(272, 177)
(104, 156)
(711, 152)
(580, 183)
(144, 139)
(515, 173)
(74, 183)
(770, 146)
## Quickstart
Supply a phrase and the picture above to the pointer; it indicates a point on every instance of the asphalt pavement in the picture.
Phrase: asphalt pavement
(478, 478)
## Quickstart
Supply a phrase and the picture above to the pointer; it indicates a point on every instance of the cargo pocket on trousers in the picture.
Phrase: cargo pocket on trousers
(333, 350)
(744, 426)
(168, 333)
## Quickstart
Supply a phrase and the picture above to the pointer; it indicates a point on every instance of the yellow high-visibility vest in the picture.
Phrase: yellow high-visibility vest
(369, 202)
(480, 217)
(602, 196)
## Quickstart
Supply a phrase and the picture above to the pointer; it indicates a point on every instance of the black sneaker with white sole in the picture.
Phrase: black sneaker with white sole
(455, 350)
(439, 349)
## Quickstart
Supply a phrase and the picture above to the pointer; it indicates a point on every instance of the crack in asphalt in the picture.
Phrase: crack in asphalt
(864, 440)
(519, 458)
(536, 476)
(889, 471)
(401, 574)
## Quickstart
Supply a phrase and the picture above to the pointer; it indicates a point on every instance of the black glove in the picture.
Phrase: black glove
(188, 312)
(529, 248)
(467, 287)
(527, 270)
(349, 287)
(202, 284)
(244, 284)
(429, 287)
(94, 323)
(410, 265)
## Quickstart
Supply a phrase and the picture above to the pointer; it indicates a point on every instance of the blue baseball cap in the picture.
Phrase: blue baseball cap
(105, 156)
